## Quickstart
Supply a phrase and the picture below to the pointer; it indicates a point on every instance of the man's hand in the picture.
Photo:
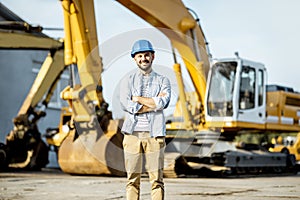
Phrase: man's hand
(145, 109)
(135, 99)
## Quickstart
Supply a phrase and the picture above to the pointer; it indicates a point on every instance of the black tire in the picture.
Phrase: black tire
(3, 157)
(285, 151)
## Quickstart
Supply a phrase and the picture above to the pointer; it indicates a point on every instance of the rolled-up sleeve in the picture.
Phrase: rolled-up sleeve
(162, 102)
(125, 97)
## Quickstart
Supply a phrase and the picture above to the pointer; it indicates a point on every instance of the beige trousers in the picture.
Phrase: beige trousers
(137, 146)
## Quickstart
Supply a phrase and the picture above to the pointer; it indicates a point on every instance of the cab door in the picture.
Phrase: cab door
(252, 94)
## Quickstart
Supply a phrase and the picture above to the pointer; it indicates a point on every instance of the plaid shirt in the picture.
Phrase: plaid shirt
(131, 85)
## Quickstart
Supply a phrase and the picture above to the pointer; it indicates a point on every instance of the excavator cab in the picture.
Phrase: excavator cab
(236, 95)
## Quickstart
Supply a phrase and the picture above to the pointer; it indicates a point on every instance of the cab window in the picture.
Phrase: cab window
(247, 88)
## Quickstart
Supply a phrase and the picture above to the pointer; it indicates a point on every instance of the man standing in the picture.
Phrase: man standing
(144, 95)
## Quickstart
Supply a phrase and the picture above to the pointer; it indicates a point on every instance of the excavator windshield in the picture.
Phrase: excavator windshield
(220, 95)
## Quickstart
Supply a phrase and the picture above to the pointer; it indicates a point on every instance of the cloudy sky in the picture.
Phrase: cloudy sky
(265, 31)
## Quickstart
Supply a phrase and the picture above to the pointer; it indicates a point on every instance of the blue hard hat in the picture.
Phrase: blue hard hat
(141, 46)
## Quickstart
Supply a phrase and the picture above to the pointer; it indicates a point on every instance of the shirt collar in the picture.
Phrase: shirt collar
(141, 74)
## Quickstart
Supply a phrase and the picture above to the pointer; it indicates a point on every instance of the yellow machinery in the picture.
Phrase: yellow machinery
(288, 144)
(251, 105)
(88, 141)
(24, 146)
(238, 102)
(230, 98)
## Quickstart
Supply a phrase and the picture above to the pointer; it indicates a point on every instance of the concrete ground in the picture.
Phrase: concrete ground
(54, 184)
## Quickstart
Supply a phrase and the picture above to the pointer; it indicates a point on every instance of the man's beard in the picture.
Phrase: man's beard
(147, 68)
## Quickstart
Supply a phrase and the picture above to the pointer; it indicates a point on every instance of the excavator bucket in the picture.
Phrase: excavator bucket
(93, 151)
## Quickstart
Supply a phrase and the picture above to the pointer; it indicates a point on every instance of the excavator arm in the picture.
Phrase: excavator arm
(88, 140)
(82, 55)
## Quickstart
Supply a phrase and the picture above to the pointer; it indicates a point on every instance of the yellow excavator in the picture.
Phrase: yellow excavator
(230, 99)
(25, 147)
